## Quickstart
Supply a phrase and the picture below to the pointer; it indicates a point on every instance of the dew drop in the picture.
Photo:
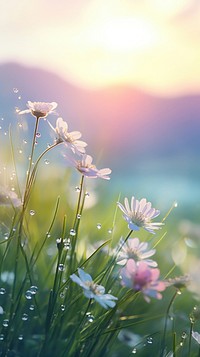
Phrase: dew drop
(32, 212)
(5, 133)
(48, 235)
(184, 335)
(33, 289)
(20, 337)
(98, 225)
(38, 135)
(24, 317)
(5, 323)
(20, 151)
(2, 291)
(1, 337)
(78, 216)
(6, 235)
(19, 97)
(77, 189)
(15, 90)
(62, 307)
(149, 340)
(62, 295)
(61, 267)
(175, 204)
(67, 244)
(87, 194)
(46, 162)
(32, 307)
(134, 351)
(28, 295)
(72, 232)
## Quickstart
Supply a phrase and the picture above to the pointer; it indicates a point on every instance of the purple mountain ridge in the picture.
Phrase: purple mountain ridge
(129, 130)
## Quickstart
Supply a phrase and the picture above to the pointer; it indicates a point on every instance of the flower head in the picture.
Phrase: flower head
(70, 139)
(9, 198)
(86, 168)
(140, 277)
(39, 109)
(136, 250)
(196, 336)
(92, 290)
(140, 214)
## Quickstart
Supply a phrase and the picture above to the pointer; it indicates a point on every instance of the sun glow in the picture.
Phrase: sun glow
(126, 35)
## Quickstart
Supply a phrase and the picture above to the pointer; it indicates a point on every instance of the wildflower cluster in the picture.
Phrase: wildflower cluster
(66, 323)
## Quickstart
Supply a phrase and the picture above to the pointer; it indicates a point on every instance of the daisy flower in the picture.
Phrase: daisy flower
(70, 139)
(86, 168)
(140, 277)
(92, 290)
(140, 214)
(39, 109)
(136, 250)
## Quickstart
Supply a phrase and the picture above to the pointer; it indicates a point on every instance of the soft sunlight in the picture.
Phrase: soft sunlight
(126, 35)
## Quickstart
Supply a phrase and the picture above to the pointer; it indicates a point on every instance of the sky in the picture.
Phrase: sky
(150, 44)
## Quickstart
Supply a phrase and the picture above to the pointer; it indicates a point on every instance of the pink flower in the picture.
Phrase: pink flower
(140, 277)
(86, 168)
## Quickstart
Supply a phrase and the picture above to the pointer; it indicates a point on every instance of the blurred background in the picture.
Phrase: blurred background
(124, 73)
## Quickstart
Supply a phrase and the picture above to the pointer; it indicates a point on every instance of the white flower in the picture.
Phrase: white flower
(9, 198)
(70, 139)
(86, 168)
(140, 214)
(196, 336)
(39, 109)
(136, 250)
(92, 290)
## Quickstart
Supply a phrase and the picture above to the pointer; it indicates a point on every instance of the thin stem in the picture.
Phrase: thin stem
(190, 337)
(165, 326)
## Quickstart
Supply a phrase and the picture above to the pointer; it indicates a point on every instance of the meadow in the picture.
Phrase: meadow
(85, 272)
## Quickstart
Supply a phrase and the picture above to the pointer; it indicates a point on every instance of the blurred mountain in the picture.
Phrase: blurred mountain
(130, 129)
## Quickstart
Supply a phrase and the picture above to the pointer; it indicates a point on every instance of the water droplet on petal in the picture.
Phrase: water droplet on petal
(32, 212)
(110, 231)
(32, 307)
(87, 194)
(25, 141)
(78, 216)
(98, 225)
(1, 337)
(61, 267)
(38, 135)
(175, 204)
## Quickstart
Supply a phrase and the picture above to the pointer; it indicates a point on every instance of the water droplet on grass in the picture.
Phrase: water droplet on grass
(78, 216)
(87, 194)
(98, 225)
(20, 337)
(33, 289)
(47, 162)
(28, 295)
(24, 317)
(15, 90)
(5, 323)
(62, 307)
(72, 232)
(32, 307)
(32, 212)
(149, 340)
(2, 291)
(61, 267)
(134, 351)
